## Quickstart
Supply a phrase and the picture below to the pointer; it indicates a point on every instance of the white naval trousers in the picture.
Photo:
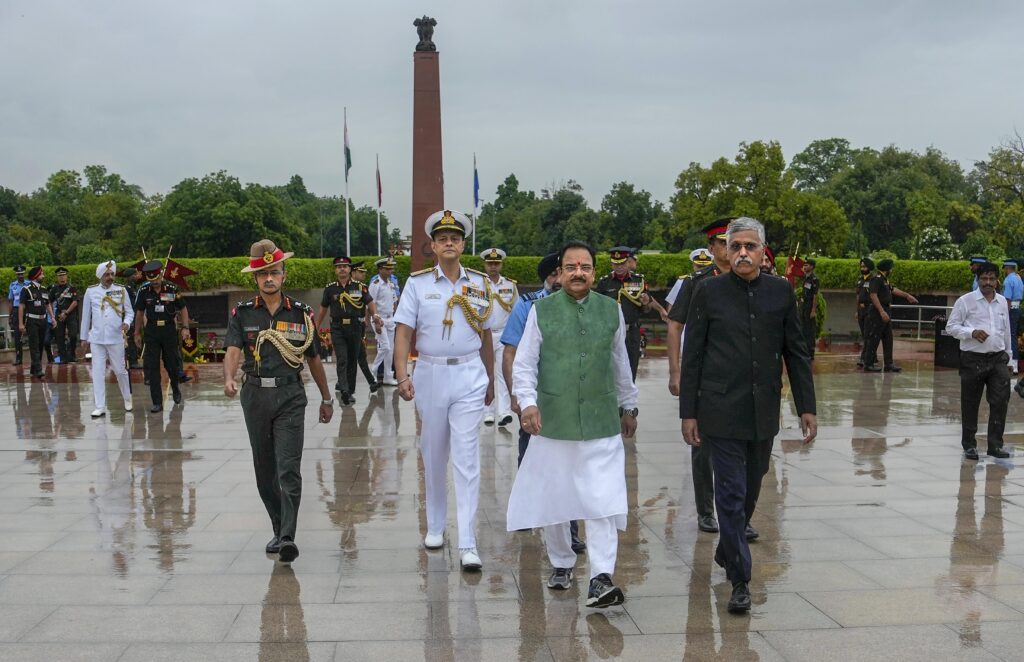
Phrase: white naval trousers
(450, 402)
(502, 403)
(385, 346)
(100, 355)
(602, 545)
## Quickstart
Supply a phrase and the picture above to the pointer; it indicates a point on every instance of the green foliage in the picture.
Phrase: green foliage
(935, 243)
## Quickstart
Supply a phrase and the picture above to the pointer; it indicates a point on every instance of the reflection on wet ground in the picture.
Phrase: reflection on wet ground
(140, 537)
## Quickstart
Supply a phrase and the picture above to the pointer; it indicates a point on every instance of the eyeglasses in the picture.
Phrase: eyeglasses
(750, 246)
(583, 268)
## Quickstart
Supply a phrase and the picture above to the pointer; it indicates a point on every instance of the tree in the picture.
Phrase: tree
(935, 243)
(816, 224)
(819, 162)
(628, 212)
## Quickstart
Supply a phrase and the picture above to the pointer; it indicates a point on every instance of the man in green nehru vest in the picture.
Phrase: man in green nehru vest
(574, 385)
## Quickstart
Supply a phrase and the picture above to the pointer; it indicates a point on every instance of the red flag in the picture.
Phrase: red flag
(176, 273)
(794, 269)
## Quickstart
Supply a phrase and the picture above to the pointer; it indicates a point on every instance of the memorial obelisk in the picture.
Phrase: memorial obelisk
(427, 173)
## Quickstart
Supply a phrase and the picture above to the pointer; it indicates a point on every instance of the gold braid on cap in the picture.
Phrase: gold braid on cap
(291, 354)
(475, 319)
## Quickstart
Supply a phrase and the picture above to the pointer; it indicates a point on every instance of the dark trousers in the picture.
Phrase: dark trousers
(66, 335)
(877, 331)
(862, 315)
(810, 332)
(1014, 330)
(740, 466)
(633, 347)
(36, 332)
(703, 481)
(346, 341)
(988, 373)
(16, 332)
(274, 420)
(161, 343)
(132, 352)
(364, 365)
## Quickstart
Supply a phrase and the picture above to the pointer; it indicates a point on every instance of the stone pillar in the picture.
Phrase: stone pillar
(427, 172)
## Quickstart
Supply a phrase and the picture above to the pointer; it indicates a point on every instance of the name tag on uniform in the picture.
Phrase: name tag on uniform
(476, 295)
(251, 328)
(159, 308)
(433, 296)
(37, 303)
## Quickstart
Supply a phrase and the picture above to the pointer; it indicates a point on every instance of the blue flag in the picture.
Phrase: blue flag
(476, 185)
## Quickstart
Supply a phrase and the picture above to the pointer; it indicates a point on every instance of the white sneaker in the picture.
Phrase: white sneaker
(470, 559)
(488, 419)
(390, 381)
(99, 412)
(127, 405)
(434, 540)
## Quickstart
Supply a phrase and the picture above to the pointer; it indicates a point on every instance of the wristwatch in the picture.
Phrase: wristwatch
(329, 403)
(631, 412)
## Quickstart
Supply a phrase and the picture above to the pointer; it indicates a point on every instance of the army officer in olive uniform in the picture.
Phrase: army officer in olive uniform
(349, 302)
(630, 290)
(156, 306)
(270, 336)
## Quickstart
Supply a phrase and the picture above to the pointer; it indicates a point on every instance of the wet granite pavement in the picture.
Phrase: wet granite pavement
(140, 537)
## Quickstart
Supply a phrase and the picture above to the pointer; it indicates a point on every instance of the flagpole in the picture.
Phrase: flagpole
(348, 241)
(378, 205)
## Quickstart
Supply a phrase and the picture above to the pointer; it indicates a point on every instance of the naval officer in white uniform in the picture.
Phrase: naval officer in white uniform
(107, 314)
(449, 307)
(504, 294)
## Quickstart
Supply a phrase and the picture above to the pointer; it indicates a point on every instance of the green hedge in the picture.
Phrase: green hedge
(305, 273)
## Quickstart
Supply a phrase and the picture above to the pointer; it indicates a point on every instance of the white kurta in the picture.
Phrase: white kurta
(562, 480)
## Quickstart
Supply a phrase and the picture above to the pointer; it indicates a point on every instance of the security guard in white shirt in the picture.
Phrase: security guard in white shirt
(107, 315)
(504, 294)
(385, 291)
(449, 307)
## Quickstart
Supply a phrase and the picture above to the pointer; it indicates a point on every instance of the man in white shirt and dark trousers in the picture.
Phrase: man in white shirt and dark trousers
(107, 314)
(980, 321)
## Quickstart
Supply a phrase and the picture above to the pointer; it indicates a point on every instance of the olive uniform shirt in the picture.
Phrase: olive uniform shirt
(250, 317)
(634, 284)
(160, 307)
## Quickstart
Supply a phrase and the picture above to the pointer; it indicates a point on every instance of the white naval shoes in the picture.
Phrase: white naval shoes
(99, 412)
(128, 404)
(470, 559)
(488, 419)
(390, 381)
(434, 540)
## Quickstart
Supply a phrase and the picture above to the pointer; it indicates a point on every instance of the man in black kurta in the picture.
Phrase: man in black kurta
(740, 328)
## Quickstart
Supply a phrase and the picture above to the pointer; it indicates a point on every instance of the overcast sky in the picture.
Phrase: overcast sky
(592, 90)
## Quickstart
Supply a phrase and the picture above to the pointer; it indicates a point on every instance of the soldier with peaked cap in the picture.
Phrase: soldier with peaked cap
(157, 305)
(359, 276)
(14, 294)
(700, 258)
(270, 336)
(348, 302)
(504, 294)
(702, 473)
(1013, 292)
(630, 290)
(106, 320)
(33, 311)
(384, 290)
(64, 299)
(809, 304)
(449, 308)
(867, 265)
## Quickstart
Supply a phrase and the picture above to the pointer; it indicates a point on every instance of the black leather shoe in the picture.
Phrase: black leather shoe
(374, 387)
(893, 368)
(971, 454)
(184, 379)
(707, 523)
(1019, 387)
(156, 409)
(274, 546)
(177, 397)
(872, 368)
(289, 551)
(860, 364)
(998, 452)
(752, 533)
(337, 387)
(719, 556)
(578, 546)
(740, 600)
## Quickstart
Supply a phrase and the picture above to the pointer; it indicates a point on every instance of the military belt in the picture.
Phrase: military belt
(448, 360)
(271, 382)
(35, 317)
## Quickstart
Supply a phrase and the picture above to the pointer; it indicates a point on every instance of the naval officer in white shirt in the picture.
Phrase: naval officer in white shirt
(107, 315)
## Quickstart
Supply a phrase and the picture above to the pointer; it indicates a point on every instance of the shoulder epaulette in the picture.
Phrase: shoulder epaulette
(333, 282)
(302, 305)
(685, 276)
(513, 281)
(245, 304)
(92, 286)
(421, 272)
(479, 273)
